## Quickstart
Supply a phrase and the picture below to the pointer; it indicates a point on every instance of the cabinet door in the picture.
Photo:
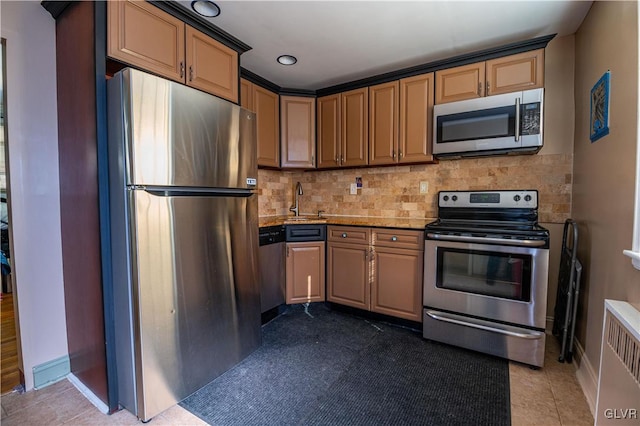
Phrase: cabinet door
(460, 83)
(297, 131)
(305, 272)
(348, 274)
(416, 118)
(211, 66)
(328, 131)
(383, 123)
(355, 127)
(267, 109)
(246, 94)
(142, 35)
(397, 283)
(523, 71)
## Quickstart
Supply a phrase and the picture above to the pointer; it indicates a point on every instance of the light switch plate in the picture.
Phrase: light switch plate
(353, 190)
(424, 187)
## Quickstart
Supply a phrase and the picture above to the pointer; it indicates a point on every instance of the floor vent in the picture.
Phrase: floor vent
(618, 400)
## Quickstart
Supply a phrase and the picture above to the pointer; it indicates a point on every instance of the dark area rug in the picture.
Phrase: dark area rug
(322, 367)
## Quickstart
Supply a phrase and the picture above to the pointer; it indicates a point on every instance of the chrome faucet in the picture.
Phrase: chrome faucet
(295, 209)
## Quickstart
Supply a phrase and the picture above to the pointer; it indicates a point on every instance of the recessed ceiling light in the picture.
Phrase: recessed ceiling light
(287, 59)
(205, 8)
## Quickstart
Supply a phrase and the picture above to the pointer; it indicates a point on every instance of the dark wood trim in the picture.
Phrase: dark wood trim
(297, 92)
(201, 24)
(256, 79)
(102, 151)
(55, 8)
(465, 59)
(79, 196)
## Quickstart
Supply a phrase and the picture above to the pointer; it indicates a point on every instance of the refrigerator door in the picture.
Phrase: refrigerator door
(179, 136)
(196, 289)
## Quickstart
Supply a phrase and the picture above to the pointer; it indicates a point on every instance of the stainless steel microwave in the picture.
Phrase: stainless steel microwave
(499, 124)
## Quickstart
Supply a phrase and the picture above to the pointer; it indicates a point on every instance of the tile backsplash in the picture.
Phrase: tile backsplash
(395, 191)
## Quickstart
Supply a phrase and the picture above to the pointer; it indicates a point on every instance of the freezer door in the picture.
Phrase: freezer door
(196, 290)
(175, 135)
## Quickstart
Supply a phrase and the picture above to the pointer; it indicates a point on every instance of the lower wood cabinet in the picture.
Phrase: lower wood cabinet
(379, 270)
(305, 272)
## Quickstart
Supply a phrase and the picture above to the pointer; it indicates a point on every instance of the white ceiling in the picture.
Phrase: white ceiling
(342, 41)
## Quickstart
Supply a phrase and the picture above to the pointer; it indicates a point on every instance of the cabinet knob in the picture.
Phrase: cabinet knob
(400, 154)
(190, 73)
(393, 154)
(479, 88)
(181, 69)
(344, 235)
(337, 160)
(394, 238)
(488, 88)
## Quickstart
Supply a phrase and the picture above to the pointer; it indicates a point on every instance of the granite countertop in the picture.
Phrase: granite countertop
(379, 222)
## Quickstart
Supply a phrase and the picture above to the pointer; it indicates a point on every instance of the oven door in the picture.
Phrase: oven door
(494, 282)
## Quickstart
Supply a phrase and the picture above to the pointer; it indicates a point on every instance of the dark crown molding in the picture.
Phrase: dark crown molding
(201, 24)
(55, 8)
(465, 59)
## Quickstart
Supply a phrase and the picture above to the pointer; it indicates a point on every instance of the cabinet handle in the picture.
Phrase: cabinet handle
(342, 160)
(393, 154)
(479, 88)
(337, 160)
(371, 254)
(488, 92)
(313, 160)
(366, 254)
(190, 72)
(400, 154)
(181, 69)
(344, 235)
(394, 238)
(287, 251)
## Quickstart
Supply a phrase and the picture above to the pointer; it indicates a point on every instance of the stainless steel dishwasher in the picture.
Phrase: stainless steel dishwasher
(271, 258)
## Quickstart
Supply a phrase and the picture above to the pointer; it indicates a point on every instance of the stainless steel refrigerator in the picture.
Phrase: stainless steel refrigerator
(184, 227)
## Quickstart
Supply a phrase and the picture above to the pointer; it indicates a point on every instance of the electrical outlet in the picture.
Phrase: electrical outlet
(424, 187)
(353, 189)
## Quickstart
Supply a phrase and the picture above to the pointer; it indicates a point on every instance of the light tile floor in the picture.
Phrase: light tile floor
(549, 396)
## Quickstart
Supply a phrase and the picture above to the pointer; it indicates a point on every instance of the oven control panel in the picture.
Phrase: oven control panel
(511, 199)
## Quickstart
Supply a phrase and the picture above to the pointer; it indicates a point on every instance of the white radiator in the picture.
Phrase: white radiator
(618, 401)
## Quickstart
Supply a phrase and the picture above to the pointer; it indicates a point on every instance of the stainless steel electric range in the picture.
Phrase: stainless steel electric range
(485, 274)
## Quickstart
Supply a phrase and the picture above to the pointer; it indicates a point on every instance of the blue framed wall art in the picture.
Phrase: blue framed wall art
(599, 116)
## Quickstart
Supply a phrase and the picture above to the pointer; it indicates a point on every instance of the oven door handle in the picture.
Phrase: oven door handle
(484, 325)
(504, 242)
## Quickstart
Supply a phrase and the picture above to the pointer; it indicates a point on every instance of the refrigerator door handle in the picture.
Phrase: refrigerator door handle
(198, 192)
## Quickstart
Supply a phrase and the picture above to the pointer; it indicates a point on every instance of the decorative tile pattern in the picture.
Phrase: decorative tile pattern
(394, 191)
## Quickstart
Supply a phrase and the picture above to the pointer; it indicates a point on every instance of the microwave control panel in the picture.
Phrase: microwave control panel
(530, 119)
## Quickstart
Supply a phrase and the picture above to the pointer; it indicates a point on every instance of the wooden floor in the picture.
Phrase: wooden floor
(9, 373)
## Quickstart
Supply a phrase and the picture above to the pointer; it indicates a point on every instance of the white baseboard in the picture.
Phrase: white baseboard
(587, 376)
(88, 393)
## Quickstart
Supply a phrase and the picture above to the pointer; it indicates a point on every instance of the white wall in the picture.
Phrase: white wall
(33, 167)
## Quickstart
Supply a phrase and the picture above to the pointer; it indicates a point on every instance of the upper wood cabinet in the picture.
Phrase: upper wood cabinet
(416, 119)
(343, 129)
(267, 109)
(144, 36)
(211, 66)
(329, 131)
(384, 114)
(354, 127)
(297, 131)
(522, 71)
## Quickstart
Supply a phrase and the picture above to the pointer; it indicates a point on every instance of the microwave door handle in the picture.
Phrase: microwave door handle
(517, 120)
